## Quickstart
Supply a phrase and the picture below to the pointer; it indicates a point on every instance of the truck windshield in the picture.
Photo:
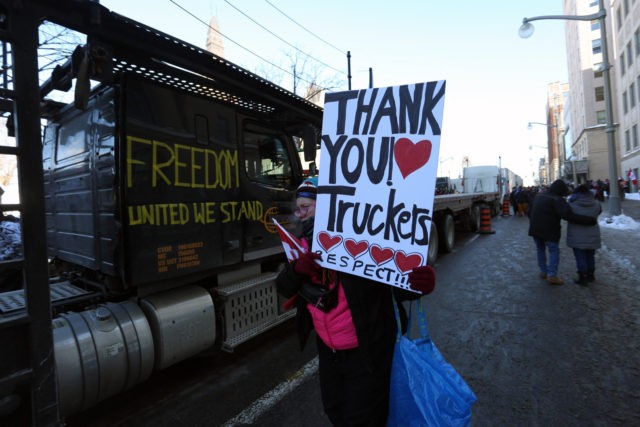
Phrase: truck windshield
(267, 160)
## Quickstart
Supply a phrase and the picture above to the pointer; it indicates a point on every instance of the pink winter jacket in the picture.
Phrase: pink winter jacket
(335, 328)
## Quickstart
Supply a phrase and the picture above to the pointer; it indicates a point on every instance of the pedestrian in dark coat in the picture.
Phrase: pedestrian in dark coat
(513, 201)
(549, 207)
(355, 325)
(584, 239)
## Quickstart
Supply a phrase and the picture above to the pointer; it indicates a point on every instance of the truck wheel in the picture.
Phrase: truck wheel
(432, 254)
(447, 233)
(474, 221)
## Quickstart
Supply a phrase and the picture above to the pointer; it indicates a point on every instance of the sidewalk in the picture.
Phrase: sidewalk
(630, 206)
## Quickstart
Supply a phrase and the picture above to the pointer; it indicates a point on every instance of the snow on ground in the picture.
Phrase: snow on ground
(621, 222)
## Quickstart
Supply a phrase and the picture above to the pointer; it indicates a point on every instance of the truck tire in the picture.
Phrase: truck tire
(447, 233)
(432, 254)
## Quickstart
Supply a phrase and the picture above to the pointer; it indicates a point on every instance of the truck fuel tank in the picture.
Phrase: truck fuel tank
(100, 353)
(183, 322)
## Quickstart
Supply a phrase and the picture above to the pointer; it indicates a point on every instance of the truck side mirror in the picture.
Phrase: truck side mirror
(310, 137)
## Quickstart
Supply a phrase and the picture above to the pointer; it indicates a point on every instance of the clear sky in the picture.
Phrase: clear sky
(496, 81)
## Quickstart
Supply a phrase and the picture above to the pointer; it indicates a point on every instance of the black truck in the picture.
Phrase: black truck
(146, 207)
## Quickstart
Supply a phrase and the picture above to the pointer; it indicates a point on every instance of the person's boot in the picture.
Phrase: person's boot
(582, 279)
(590, 276)
(554, 280)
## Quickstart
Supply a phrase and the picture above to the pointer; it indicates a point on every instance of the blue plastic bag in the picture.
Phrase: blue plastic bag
(425, 389)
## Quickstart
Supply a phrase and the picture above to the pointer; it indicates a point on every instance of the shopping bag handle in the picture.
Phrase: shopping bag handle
(422, 319)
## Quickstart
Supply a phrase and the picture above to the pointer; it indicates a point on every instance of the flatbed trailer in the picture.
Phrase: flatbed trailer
(460, 210)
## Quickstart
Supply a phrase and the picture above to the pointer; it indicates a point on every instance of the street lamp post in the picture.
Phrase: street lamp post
(526, 30)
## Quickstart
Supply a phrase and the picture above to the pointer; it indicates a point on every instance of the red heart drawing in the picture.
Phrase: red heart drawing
(406, 262)
(379, 255)
(327, 242)
(409, 156)
(356, 249)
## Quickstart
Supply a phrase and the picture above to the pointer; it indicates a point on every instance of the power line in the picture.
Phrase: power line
(283, 40)
(246, 49)
(304, 28)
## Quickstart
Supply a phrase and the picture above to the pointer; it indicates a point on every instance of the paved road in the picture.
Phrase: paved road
(534, 354)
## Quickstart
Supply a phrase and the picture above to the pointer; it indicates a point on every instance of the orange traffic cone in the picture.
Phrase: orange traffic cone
(505, 207)
(485, 221)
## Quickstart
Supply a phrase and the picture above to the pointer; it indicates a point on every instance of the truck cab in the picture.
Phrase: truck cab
(150, 185)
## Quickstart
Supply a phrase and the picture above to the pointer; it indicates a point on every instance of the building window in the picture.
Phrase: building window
(593, 3)
(601, 117)
(595, 25)
(626, 8)
(600, 93)
(627, 141)
(624, 102)
(619, 17)
(622, 64)
(632, 95)
(629, 54)
(596, 46)
(597, 70)
(634, 131)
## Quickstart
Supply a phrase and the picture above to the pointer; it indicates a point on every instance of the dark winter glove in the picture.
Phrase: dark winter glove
(422, 279)
(307, 264)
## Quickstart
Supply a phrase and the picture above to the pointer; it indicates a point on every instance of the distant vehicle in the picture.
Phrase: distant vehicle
(482, 186)
(444, 186)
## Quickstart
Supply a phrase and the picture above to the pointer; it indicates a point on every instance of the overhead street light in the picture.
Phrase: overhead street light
(526, 30)
(530, 125)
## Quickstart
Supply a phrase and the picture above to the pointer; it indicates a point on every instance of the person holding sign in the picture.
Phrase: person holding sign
(355, 324)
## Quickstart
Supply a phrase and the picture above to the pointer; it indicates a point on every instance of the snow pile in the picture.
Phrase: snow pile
(619, 222)
(10, 240)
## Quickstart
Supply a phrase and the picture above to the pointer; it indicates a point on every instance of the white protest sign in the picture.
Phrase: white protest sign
(377, 182)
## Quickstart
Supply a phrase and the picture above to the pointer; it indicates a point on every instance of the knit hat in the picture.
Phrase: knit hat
(582, 188)
(308, 188)
(559, 187)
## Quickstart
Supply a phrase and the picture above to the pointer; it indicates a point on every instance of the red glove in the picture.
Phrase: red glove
(422, 279)
(307, 264)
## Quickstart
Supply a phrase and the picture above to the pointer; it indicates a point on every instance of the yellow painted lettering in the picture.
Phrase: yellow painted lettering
(211, 213)
(198, 213)
(178, 165)
(157, 166)
(227, 216)
(195, 167)
(130, 160)
(133, 218)
(147, 214)
(210, 162)
(233, 166)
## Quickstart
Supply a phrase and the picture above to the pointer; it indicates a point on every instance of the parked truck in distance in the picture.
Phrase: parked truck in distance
(482, 187)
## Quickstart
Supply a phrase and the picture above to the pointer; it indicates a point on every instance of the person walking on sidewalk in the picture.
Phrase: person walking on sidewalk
(584, 239)
(549, 208)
